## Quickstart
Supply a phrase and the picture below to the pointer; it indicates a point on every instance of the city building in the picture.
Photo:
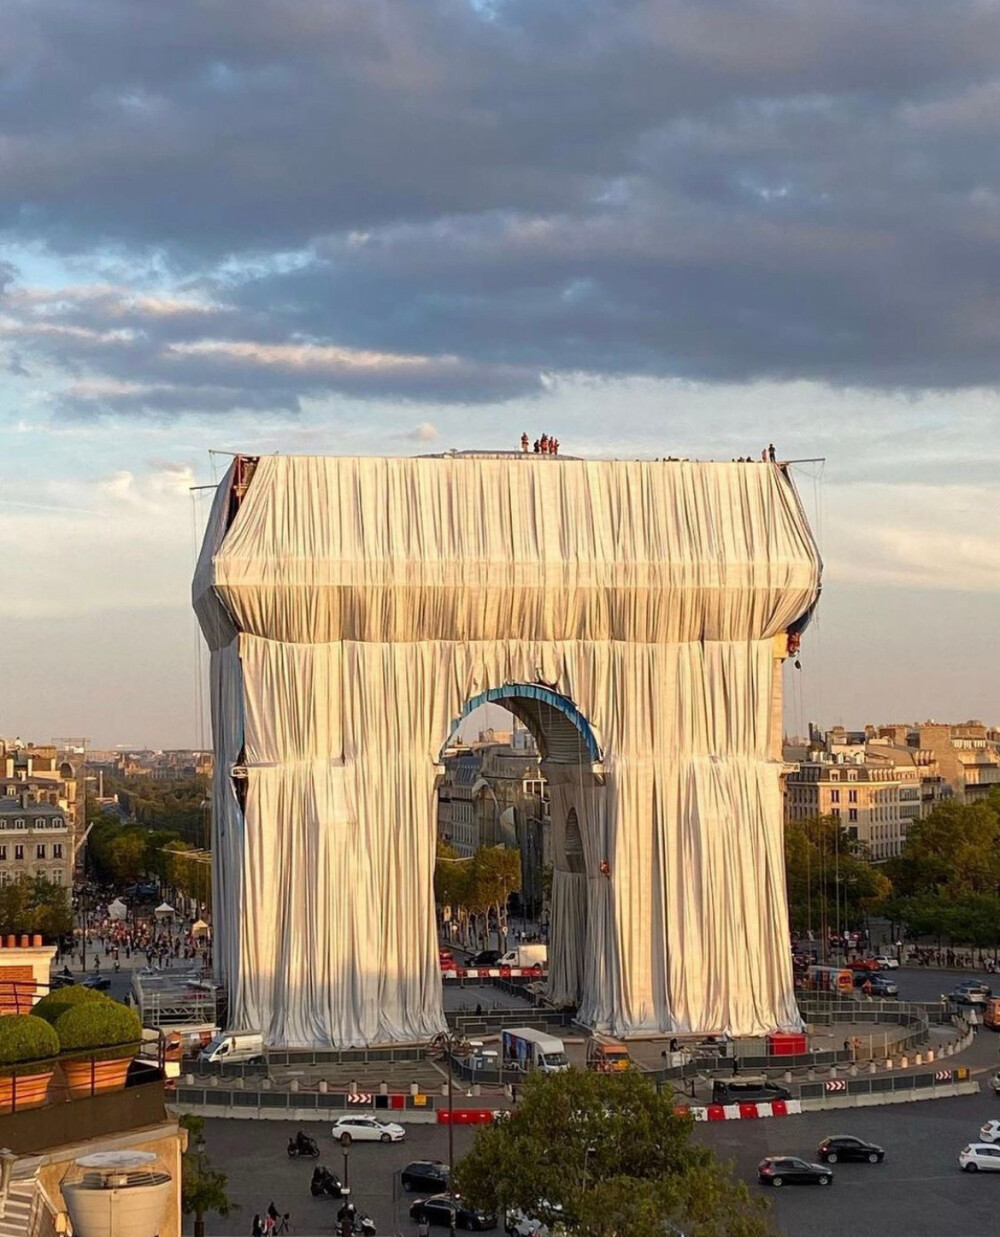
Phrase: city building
(36, 839)
(493, 793)
(966, 756)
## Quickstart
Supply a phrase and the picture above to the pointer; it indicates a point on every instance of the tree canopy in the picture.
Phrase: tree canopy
(203, 1188)
(823, 863)
(603, 1155)
(34, 904)
(946, 882)
(476, 887)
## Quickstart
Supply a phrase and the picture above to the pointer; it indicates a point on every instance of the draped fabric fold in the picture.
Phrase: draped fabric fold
(372, 599)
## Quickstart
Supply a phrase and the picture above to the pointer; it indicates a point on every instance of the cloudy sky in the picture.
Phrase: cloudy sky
(360, 226)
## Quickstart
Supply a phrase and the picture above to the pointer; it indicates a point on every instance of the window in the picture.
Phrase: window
(19, 823)
(3, 852)
(57, 822)
(57, 850)
(39, 822)
(853, 833)
(40, 850)
(18, 852)
(853, 813)
(836, 813)
(852, 796)
(835, 796)
(56, 876)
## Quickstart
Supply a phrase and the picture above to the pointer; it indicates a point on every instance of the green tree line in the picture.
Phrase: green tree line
(475, 889)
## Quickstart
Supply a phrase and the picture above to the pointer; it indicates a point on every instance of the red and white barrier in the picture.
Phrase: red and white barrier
(745, 1112)
(494, 972)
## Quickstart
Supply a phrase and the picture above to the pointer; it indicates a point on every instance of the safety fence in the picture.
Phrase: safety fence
(248, 1098)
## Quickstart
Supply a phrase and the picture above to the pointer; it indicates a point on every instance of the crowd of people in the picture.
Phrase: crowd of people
(162, 943)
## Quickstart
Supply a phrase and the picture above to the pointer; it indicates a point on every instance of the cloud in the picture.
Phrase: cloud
(468, 193)
(424, 432)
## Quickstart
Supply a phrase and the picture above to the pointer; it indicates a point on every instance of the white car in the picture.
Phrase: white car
(980, 1157)
(887, 963)
(990, 1133)
(367, 1129)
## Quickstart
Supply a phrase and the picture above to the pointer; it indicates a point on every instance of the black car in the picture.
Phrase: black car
(438, 1208)
(847, 1147)
(429, 1175)
(100, 982)
(486, 957)
(747, 1089)
(778, 1170)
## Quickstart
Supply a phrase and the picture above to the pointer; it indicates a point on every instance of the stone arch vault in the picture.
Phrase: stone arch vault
(353, 606)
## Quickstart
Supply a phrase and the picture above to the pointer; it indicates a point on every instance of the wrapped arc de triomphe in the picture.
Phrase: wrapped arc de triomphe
(635, 614)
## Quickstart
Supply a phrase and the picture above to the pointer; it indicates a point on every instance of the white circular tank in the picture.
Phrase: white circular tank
(118, 1194)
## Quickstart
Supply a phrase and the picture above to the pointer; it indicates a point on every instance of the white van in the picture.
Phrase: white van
(234, 1046)
(530, 1049)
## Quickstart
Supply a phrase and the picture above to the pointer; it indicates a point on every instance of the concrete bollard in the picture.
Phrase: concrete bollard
(853, 1071)
(189, 1080)
(213, 1081)
(353, 1087)
(324, 1086)
(265, 1084)
(293, 1086)
(787, 1076)
(833, 1071)
(240, 1083)
(888, 1063)
(872, 1067)
(904, 1062)
(811, 1074)
(383, 1087)
(918, 1058)
(930, 1056)
(444, 1089)
(476, 1089)
(414, 1088)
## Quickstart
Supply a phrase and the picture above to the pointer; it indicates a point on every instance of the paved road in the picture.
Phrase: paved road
(253, 1154)
(918, 1192)
(928, 983)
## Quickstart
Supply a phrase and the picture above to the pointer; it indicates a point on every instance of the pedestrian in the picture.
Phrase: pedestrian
(524, 442)
(771, 453)
(736, 1065)
(856, 1048)
(257, 1228)
(674, 1045)
(423, 1229)
(847, 1045)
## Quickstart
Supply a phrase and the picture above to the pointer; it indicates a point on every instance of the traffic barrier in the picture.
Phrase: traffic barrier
(493, 972)
(744, 1112)
(465, 1116)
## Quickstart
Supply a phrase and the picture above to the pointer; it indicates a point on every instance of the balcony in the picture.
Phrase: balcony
(63, 1120)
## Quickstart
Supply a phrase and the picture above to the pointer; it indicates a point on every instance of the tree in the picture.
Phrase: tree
(34, 904)
(826, 867)
(496, 874)
(604, 1154)
(203, 1188)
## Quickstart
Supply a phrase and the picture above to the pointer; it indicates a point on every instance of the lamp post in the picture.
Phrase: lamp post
(449, 1043)
(345, 1147)
(199, 1215)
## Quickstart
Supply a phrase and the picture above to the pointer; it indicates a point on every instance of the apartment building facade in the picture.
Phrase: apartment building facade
(36, 839)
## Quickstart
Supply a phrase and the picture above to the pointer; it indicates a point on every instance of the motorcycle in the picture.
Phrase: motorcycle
(361, 1225)
(302, 1144)
(325, 1182)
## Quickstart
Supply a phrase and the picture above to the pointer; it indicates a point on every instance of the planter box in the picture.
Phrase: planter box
(25, 1091)
(94, 1077)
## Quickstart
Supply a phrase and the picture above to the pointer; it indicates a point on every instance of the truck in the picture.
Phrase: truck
(531, 1049)
(526, 957)
(233, 1046)
(607, 1056)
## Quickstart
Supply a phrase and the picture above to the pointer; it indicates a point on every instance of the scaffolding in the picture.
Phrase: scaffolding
(183, 998)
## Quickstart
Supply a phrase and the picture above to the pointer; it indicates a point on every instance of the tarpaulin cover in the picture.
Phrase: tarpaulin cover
(353, 606)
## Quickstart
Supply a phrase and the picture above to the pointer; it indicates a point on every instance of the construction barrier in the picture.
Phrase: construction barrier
(466, 1116)
(494, 972)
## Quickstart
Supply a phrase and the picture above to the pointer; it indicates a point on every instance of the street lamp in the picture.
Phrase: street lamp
(449, 1043)
(199, 1215)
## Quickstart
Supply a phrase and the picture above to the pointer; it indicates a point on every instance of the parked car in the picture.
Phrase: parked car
(980, 1157)
(485, 957)
(438, 1208)
(366, 1129)
(887, 962)
(847, 1147)
(972, 992)
(748, 1089)
(863, 964)
(428, 1175)
(778, 1170)
(990, 1133)
(99, 982)
(881, 985)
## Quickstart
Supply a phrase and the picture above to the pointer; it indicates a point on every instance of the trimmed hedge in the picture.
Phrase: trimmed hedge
(23, 1037)
(53, 1004)
(97, 1024)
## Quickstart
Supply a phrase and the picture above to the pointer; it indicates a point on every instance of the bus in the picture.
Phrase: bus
(829, 979)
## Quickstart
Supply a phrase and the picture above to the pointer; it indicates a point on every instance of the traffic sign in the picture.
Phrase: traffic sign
(360, 1097)
(836, 1084)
